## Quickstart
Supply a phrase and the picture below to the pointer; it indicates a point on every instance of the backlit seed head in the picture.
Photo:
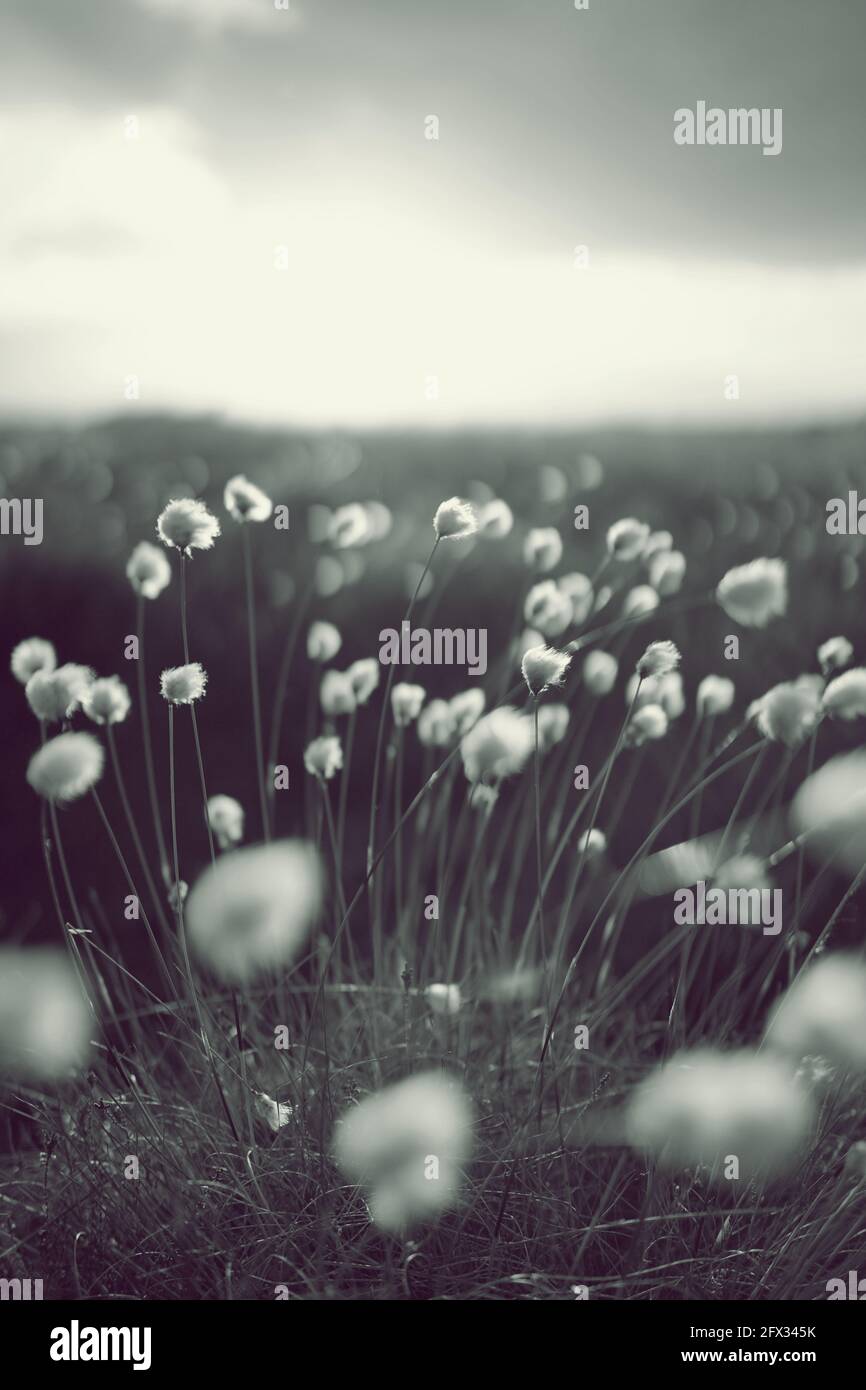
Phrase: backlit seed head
(148, 570)
(627, 538)
(45, 1023)
(226, 820)
(56, 695)
(187, 525)
(835, 653)
(495, 519)
(753, 594)
(66, 767)
(715, 695)
(323, 642)
(543, 667)
(443, 999)
(455, 519)
(437, 726)
(845, 697)
(349, 526)
(107, 701)
(667, 570)
(497, 746)
(336, 694)
(649, 722)
(599, 672)
(323, 757)
(467, 708)
(406, 702)
(32, 655)
(790, 712)
(246, 502)
(180, 685)
(658, 658)
(640, 600)
(542, 549)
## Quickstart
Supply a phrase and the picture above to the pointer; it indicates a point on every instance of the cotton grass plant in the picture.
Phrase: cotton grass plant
(354, 1064)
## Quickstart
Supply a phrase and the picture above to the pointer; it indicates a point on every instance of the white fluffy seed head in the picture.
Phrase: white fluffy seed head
(185, 524)
(45, 1024)
(226, 819)
(649, 722)
(32, 655)
(107, 700)
(56, 695)
(578, 588)
(667, 570)
(443, 999)
(323, 758)
(495, 519)
(824, 1014)
(845, 697)
(407, 1144)
(364, 678)
(66, 767)
(542, 549)
(753, 594)
(658, 658)
(455, 519)
(599, 672)
(148, 570)
(467, 708)
(252, 910)
(592, 843)
(323, 641)
(406, 702)
(180, 685)
(835, 653)
(349, 526)
(790, 712)
(552, 726)
(548, 609)
(627, 538)
(639, 601)
(543, 667)
(497, 746)
(702, 1106)
(715, 695)
(246, 502)
(437, 726)
(336, 694)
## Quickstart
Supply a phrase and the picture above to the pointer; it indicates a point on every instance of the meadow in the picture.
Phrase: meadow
(325, 977)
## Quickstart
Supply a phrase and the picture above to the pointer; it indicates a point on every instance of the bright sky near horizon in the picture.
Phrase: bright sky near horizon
(237, 206)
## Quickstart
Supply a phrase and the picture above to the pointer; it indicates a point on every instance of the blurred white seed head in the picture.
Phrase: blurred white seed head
(66, 767)
(245, 502)
(323, 758)
(406, 702)
(789, 712)
(665, 690)
(148, 570)
(455, 519)
(577, 587)
(830, 809)
(107, 701)
(323, 641)
(753, 594)
(657, 543)
(252, 911)
(337, 693)
(552, 726)
(667, 569)
(704, 1105)
(495, 519)
(833, 654)
(437, 726)
(626, 539)
(180, 685)
(543, 667)
(845, 697)
(32, 655)
(467, 708)
(407, 1145)
(592, 842)
(483, 798)
(443, 999)
(364, 678)
(658, 658)
(548, 609)
(640, 600)
(497, 746)
(599, 672)
(226, 820)
(187, 525)
(56, 695)
(648, 723)
(542, 549)
(715, 695)
(824, 1013)
(45, 1023)
(349, 526)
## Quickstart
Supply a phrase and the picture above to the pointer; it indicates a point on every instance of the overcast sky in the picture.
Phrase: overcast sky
(426, 281)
